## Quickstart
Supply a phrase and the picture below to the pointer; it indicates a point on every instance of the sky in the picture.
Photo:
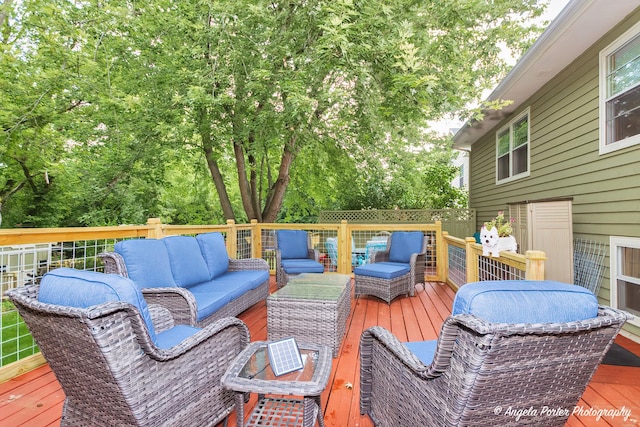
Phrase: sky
(553, 9)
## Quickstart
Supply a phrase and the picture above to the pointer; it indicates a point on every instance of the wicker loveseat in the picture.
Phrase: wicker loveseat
(192, 276)
(511, 353)
(118, 368)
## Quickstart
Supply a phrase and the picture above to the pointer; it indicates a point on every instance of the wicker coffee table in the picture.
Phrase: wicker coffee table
(313, 307)
(250, 372)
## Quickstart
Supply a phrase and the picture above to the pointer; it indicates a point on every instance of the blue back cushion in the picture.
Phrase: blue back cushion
(293, 244)
(404, 244)
(187, 263)
(215, 253)
(82, 289)
(526, 301)
(147, 262)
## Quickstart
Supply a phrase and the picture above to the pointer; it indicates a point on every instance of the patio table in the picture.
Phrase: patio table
(251, 372)
(313, 307)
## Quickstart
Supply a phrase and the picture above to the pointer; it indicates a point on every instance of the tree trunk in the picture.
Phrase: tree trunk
(243, 182)
(276, 193)
(218, 181)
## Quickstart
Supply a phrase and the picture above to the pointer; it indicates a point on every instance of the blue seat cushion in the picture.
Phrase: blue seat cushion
(297, 266)
(526, 301)
(187, 263)
(174, 336)
(147, 262)
(293, 244)
(239, 282)
(82, 289)
(209, 299)
(382, 270)
(404, 244)
(424, 350)
(214, 252)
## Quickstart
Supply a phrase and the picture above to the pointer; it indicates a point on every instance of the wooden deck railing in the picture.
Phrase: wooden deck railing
(463, 262)
(27, 254)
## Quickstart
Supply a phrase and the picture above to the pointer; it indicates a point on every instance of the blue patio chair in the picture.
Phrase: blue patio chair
(509, 349)
(294, 255)
(396, 270)
(121, 362)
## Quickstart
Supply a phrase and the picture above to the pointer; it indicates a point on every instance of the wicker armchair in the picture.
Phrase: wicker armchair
(295, 255)
(486, 372)
(114, 368)
(396, 270)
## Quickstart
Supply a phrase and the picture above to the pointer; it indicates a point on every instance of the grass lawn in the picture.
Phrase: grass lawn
(16, 341)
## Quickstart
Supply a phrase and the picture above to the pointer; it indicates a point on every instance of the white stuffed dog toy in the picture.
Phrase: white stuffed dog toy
(489, 239)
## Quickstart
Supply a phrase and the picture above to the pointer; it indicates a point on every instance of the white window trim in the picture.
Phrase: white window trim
(527, 113)
(614, 243)
(604, 54)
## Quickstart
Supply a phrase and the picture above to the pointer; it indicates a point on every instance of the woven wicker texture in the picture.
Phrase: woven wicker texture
(181, 303)
(113, 375)
(273, 411)
(483, 372)
(311, 310)
(386, 289)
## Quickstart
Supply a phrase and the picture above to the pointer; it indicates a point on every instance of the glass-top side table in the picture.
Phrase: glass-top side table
(251, 372)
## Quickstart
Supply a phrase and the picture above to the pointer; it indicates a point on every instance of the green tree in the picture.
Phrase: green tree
(117, 97)
(261, 82)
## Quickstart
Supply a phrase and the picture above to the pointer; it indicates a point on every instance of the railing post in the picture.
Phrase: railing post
(472, 260)
(535, 265)
(155, 231)
(256, 239)
(232, 239)
(442, 257)
(344, 248)
(441, 253)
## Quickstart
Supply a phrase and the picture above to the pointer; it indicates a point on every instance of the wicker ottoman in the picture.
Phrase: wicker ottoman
(382, 280)
(312, 308)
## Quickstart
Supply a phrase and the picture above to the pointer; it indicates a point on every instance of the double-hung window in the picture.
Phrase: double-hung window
(512, 149)
(620, 92)
(625, 275)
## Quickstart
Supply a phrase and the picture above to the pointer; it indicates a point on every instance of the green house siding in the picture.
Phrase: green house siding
(564, 159)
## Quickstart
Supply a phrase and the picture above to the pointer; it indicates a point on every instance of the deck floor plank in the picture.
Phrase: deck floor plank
(35, 398)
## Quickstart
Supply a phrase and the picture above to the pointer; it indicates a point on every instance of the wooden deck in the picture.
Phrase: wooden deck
(35, 398)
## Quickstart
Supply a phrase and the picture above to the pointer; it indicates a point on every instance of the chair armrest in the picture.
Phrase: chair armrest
(379, 336)
(391, 342)
(160, 317)
(113, 263)
(380, 256)
(313, 254)
(417, 265)
(237, 327)
(210, 337)
(179, 301)
(248, 264)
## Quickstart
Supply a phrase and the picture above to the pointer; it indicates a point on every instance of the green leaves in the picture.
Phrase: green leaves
(290, 106)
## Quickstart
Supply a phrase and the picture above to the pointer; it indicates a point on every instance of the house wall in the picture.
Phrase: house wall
(564, 159)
